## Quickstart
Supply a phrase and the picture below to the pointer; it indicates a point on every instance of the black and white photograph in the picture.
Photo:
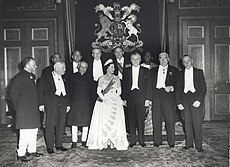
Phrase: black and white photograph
(115, 83)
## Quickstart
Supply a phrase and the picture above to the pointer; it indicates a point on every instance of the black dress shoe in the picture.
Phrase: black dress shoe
(171, 146)
(50, 150)
(74, 145)
(36, 154)
(156, 145)
(200, 150)
(61, 148)
(83, 144)
(131, 145)
(187, 147)
(23, 158)
(143, 145)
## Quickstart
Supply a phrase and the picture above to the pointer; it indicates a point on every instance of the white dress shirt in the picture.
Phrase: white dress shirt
(75, 67)
(59, 84)
(121, 62)
(97, 69)
(189, 82)
(161, 77)
(135, 74)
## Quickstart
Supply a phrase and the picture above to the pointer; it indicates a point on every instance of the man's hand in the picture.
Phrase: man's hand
(169, 89)
(125, 103)
(180, 107)
(196, 104)
(42, 108)
(67, 109)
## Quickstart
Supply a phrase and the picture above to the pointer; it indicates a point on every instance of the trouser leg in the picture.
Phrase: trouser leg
(169, 115)
(157, 123)
(132, 121)
(32, 140)
(197, 126)
(188, 126)
(23, 142)
(84, 133)
(74, 133)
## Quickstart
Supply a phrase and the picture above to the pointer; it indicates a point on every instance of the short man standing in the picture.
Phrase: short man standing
(161, 91)
(53, 99)
(24, 97)
(191, 90)
(81, 111)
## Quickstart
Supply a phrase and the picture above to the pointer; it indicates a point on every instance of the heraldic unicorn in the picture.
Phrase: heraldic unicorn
(117, 28)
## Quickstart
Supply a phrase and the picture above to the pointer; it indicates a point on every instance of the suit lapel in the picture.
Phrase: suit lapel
(141, 72)
(183, 81)
(156, 74)
(168, 75)
(50, 79)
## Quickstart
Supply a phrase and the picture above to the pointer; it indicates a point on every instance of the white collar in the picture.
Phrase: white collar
(75, 63)
(190, 69)
(120, 60)
(161, 67)
(55, 74)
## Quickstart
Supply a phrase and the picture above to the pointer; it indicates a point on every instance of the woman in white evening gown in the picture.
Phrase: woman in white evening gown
(107, 125)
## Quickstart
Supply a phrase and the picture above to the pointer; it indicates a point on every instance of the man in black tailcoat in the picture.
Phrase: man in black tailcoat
(95, 70)
(135, 84)
(191, 90)
(54, 101)
(161, 92)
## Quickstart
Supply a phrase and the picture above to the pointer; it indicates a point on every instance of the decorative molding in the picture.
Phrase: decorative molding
(30, 5)
(191, 4)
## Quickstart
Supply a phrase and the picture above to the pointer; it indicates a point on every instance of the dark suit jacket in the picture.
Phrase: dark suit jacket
(47, 89)
(171, 80)
(142, 82)
(199, 84)
(69, 71)
(47, 70)
(24, 97)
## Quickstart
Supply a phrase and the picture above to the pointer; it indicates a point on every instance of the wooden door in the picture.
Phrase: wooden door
(207, 40)
(220, 72)
(20, 39)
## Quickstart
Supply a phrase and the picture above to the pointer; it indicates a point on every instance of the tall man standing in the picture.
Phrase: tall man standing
(161, 91)
(135, 83)
(24, 97)
(120, 65)
(53, 99)
(96, 71)
(191, 90)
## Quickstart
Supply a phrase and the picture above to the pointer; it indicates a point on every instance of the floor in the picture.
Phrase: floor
(215, 145)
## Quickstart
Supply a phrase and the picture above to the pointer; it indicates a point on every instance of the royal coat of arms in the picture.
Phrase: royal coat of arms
(118, 28)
